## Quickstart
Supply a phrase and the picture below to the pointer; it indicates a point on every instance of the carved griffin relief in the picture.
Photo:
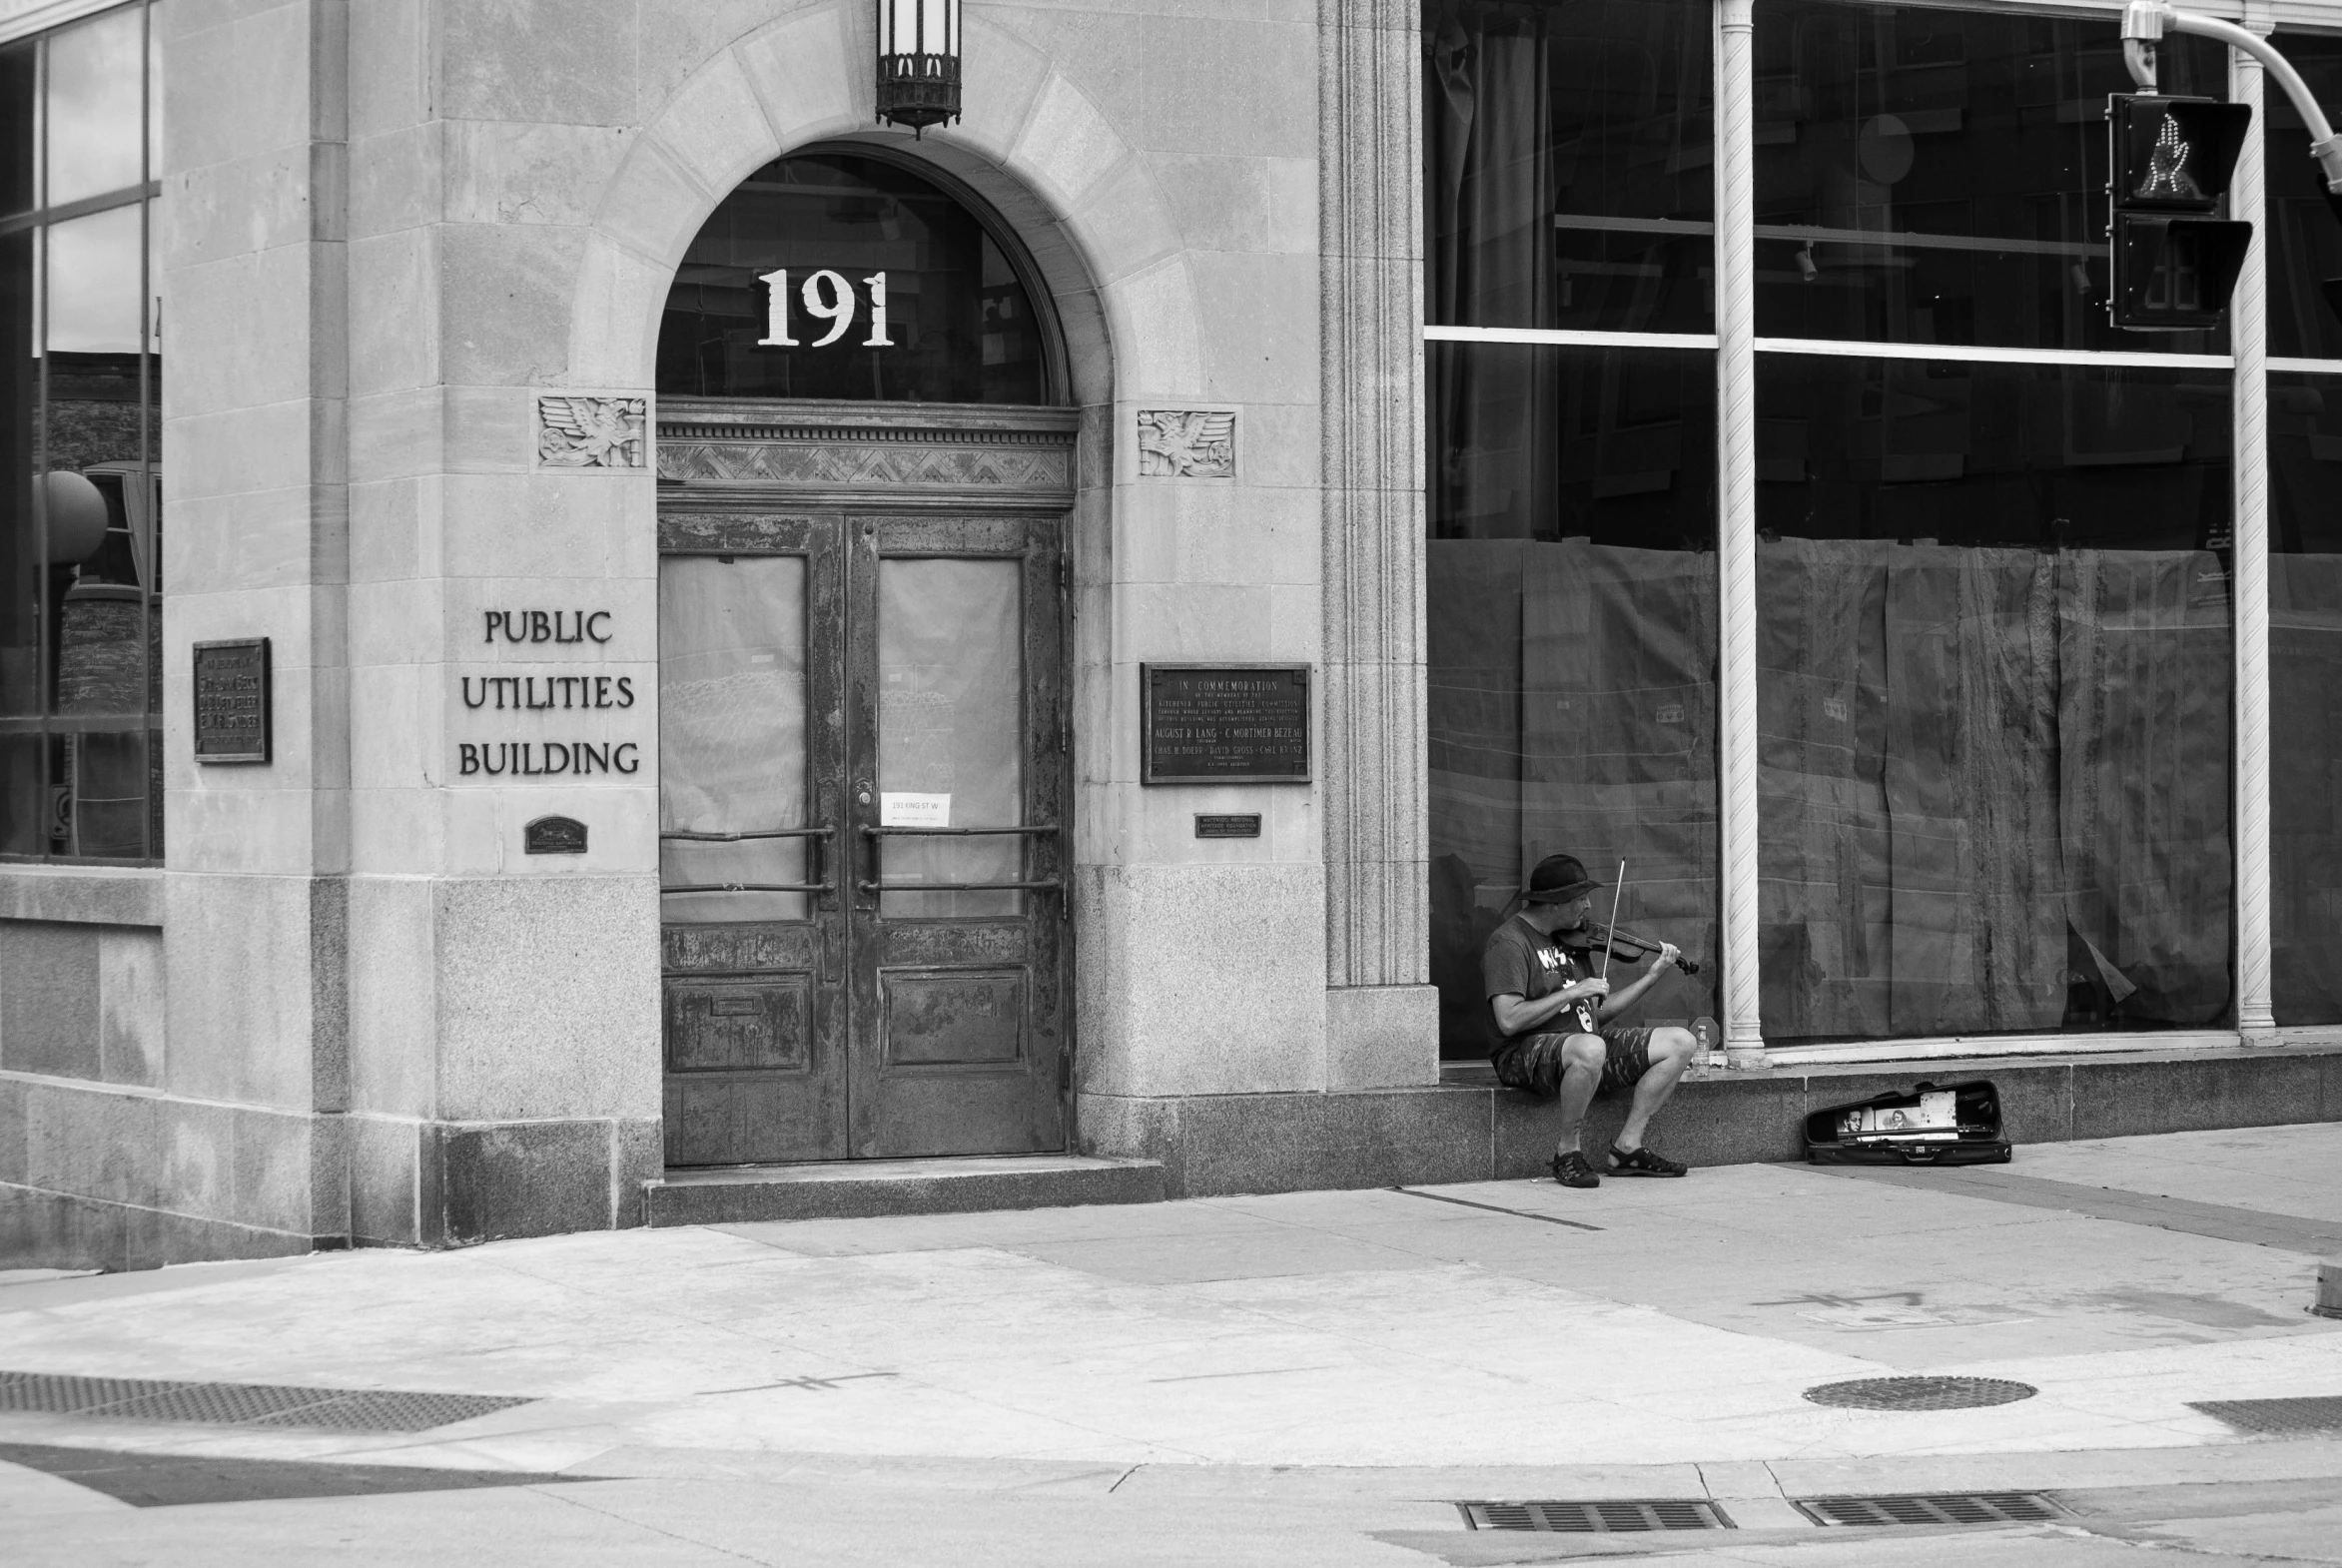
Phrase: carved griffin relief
(1187, 443)
(590, 432)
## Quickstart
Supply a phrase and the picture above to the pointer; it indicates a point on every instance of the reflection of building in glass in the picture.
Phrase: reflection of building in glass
(80, 482)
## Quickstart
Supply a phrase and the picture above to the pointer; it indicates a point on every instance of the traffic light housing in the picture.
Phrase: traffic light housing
(2169, 161)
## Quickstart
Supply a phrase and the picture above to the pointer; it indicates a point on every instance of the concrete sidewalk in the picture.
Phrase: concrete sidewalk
(1389, 1350)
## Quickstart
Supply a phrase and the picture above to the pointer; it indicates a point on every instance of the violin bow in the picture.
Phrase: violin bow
(1616, 893)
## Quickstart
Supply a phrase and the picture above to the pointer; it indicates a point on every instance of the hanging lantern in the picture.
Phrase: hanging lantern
(919, 62)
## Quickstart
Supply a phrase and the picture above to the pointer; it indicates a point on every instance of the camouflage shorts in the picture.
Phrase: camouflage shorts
(1533, 1062)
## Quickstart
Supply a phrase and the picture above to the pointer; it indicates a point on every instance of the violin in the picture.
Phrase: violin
(1625, 943)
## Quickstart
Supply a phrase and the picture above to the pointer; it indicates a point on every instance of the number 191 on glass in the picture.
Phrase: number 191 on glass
(827, 297)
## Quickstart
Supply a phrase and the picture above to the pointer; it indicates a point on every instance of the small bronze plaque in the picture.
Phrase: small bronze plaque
(555, 836)
(232, 700)
(1230, 825)
(1224, 724)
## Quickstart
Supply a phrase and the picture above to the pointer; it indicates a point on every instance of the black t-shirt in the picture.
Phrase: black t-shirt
(1522, 961)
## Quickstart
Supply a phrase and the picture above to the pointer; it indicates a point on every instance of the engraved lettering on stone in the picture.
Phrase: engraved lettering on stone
(1184, 443)
(590, 432)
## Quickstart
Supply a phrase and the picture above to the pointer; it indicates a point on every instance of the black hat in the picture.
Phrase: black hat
(1557, 880)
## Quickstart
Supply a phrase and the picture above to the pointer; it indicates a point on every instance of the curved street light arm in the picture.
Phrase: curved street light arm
(2144, 25)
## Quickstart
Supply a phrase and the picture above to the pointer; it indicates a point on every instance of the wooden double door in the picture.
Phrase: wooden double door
(862, 832)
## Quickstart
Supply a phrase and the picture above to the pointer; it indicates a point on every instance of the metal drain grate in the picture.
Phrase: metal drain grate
(241, 1404)
(1936, 1508)
(2314, 1414)
(1663, 1513)
(1920, 1393)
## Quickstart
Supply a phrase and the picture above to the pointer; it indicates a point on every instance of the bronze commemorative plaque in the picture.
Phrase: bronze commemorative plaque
(1224, 724)
(232, 700)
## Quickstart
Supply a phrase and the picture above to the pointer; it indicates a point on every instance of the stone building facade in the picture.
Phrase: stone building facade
(625, 657)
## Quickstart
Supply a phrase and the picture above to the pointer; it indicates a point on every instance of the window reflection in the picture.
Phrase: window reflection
(80, 487)
(19, 102)
(1993, 699)
(1569, 152)
(96, 134)
(2305, 696)
(1931, 175)
(2304, 240)
(94, 284)
(1571, 615)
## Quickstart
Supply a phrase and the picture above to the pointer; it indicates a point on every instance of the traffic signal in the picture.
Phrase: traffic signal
(2169, 161)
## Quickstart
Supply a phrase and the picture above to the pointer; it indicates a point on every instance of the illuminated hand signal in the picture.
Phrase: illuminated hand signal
(2168, 168)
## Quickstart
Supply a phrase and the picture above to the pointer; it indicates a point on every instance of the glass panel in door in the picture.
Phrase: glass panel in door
(731, 735)
(950, 733)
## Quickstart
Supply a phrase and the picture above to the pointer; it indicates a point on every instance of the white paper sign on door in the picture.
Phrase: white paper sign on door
(898, 810)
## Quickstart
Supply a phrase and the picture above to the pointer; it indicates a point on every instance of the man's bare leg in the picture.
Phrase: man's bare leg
(1672, 1050)
(1582, 1056)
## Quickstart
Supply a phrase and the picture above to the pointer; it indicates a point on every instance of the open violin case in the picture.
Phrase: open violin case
(1954, 1124)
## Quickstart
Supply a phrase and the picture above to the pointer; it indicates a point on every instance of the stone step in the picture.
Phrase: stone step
(863, 1189)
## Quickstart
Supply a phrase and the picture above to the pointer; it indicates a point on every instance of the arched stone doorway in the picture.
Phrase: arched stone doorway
(867, 463)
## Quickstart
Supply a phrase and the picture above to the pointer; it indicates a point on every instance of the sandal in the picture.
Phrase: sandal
(1571, 1170)
(1643, 1161)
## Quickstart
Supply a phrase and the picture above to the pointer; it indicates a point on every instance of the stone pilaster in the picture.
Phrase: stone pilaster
(1382, 1019)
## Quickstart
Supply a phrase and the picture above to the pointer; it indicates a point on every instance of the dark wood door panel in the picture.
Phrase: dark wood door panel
(730, 949)
(954, 1018)
(740, 1023)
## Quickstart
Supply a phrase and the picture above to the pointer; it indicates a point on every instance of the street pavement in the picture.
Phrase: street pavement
(1294, 1379)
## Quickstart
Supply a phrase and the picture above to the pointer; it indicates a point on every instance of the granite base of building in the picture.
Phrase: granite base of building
(260, 1184)
(1479, 1131)
(859, 1190)
(46, 1229)
(70, 1199)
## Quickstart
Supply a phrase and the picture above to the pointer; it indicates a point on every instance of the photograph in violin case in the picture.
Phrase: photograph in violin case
(1954, 1124)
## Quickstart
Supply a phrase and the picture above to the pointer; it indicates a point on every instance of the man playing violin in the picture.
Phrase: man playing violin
(1548, 1037)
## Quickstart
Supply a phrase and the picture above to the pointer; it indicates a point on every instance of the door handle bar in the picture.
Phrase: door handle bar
(748, 886)
(957, 887)
(819, 835)
(756, 833)
(875, 834)
(890, 833)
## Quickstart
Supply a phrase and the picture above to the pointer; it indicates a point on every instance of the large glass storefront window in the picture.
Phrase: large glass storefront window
(2305, 557)
(1994, 698)
(1571, 568)
(80, 446)
(1570, 164)
(1571, 599)
(2305, 695)
(1929, 176)
(2304, 240)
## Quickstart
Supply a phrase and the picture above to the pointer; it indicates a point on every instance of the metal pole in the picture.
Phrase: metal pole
(1736, 526)
(2248, 577)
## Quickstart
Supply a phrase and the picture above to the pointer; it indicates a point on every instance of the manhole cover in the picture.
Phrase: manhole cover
(2312, 1413)
(1920, 1394)
(1935, 1508)
(1664, 1513)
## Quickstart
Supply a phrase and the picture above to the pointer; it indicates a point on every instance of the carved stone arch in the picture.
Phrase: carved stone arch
(1031, 147)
